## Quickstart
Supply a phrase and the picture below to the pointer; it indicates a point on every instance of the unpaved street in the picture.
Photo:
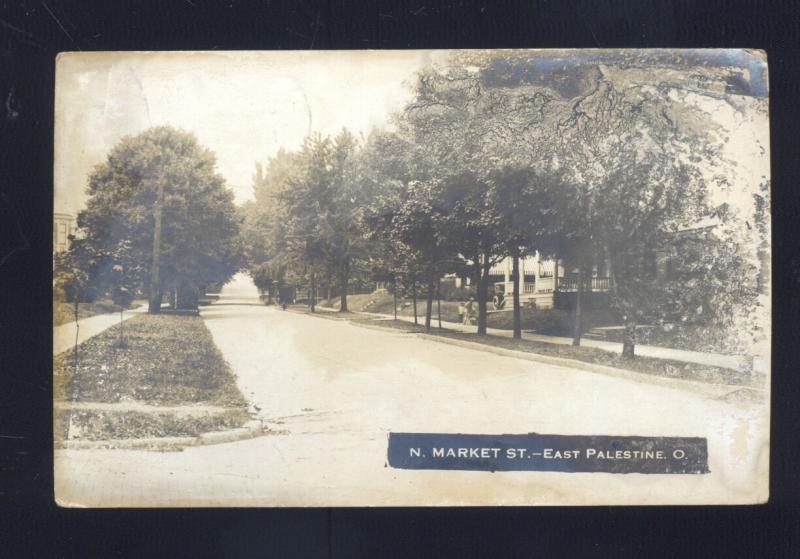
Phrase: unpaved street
(332, 391)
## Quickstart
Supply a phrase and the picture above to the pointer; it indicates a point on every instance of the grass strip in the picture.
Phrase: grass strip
(166, 360)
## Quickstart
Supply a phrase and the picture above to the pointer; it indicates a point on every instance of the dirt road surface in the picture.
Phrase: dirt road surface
(331, 392)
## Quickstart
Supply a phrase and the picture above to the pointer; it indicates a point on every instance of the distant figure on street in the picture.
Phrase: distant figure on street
(462, 312)
(499, 301)
(470, 311)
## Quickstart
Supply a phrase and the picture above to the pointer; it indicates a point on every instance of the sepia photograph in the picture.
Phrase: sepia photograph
(411, 278)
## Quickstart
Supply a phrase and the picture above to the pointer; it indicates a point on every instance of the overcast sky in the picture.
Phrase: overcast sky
(243, 106)
(246, 105)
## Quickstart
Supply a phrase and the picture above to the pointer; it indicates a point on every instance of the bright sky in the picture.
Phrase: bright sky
(242, 105)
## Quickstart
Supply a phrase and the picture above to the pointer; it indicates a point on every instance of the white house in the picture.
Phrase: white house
(540, 279)
(64, 225)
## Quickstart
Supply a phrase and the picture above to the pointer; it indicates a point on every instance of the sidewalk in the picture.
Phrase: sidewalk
(686, 356)
(64, 334)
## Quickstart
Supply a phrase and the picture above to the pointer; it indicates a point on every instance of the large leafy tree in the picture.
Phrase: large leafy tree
(391, 166)
(637, 150)
(404, 214)
(421, 235)
(324, 209)
(525, 201)
(467, 128)
(635, 161)
(264, 223)
(162, 171)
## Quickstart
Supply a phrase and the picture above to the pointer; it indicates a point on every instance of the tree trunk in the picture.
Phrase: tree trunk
(429, 307)
(576, 334)
(516, 286)
(629, 337)
(394, 301)
(615, 268)
(269, 295)
(154, 305)
(345, 280)
(76, 309)
(414, 299)
(312, 296)
(483, 293)
(555, 273)
(439, 301)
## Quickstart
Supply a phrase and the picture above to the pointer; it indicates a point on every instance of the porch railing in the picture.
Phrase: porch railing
(547, 285)
(529, 288)
(570, 283)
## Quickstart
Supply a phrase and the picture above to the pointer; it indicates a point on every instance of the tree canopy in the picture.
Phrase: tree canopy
(199, 239)
(597, 158)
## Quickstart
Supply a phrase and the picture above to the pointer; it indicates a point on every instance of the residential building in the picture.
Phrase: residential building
(547, 283)
(64, 225)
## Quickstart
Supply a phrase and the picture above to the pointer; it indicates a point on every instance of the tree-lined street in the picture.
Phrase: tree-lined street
(331, 392)
(607, 169)
(603, 163)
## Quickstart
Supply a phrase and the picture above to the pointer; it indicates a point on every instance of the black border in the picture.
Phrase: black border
(33, 32)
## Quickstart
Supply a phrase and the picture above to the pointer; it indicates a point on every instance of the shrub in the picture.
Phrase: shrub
(449, 292)
(552, 322)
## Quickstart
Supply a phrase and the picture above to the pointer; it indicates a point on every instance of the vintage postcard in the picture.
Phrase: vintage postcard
(411, 278)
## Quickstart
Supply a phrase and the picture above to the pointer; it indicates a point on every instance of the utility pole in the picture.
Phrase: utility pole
(155, 271)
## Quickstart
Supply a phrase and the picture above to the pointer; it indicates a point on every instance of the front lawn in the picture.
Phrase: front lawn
(551, 322)
(167, 361)
(648, 365)
(383, 303)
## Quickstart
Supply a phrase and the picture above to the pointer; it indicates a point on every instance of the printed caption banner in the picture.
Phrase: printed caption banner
(554, 453)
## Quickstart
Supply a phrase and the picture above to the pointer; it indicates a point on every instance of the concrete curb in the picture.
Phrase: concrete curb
(251, 429)
(712, 390)
(381, 328)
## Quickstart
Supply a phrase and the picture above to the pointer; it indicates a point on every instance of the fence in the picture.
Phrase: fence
(570, 283)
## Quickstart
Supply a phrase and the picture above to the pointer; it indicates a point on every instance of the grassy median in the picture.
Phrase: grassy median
(115, 392)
